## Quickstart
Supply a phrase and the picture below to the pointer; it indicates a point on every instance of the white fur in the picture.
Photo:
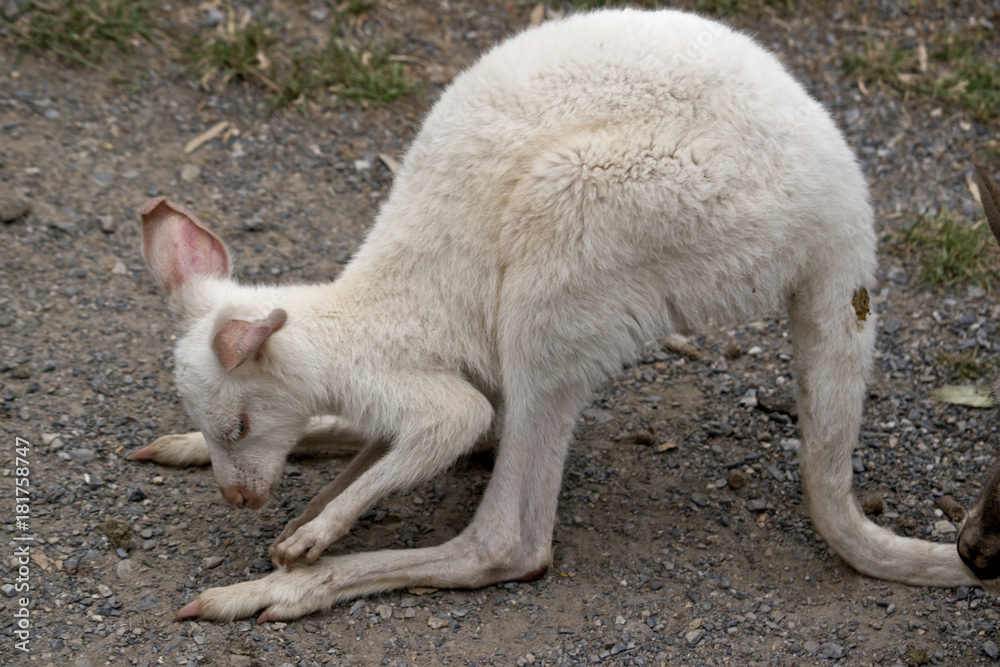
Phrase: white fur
(589, 185)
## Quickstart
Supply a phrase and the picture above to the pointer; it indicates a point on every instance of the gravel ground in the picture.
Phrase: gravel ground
(680, 536)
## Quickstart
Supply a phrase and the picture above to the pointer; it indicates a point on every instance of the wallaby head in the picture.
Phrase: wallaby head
(225, 364)
(979, 541)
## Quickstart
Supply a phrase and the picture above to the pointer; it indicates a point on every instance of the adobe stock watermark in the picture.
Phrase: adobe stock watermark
(22, 544)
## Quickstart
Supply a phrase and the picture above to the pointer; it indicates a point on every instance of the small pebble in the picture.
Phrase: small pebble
(694, 636)
(214, 17)
(209, 562)
(82, 456)
(945, 527)
(127, 568)
(103, 178)
(12, 209)
(190, 172)
(990, 649)
(832, 650)
(437, 622)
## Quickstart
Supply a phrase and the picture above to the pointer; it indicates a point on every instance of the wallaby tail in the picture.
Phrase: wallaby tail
(834, 338)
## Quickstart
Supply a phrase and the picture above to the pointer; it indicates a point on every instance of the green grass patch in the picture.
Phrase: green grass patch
(362, 73)
(973, 82)
(878, 63)
(354, 69)
(726, 8)
(587, 5)
(737, 7)
(968, 365)
(235, 52)
(87, 33)
(951, 252)
(956, 73)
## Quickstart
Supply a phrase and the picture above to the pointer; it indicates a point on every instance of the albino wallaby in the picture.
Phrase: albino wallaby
(589, 185)
(979, 541)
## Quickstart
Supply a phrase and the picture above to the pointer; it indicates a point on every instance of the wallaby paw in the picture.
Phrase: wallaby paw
(282, 595)
(288, 531)
(178, 451)
(307, 542)
(227, 603)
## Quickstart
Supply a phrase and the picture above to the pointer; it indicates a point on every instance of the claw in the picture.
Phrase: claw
(144, 454)
(188, 610)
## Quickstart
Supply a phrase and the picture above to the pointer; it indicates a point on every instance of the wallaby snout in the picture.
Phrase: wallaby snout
(244, 498)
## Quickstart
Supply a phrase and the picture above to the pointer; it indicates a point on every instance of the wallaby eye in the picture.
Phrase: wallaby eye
(239, 429)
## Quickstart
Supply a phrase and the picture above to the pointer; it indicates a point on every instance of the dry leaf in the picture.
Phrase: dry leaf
(537, 14)
(973, 189)
(974, 397)
(390, 163)
(205, 137)
(666, 446)
(263, 60)
(206, 80)
(921, 57)
(42, 560)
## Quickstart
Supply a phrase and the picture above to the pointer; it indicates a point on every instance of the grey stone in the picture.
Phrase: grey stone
(214, 17)
(208, 562)
(82, 456)
(898, 276)
(990, 649)
(64, 226)
(13, 209)
(190, 172)
(831, 650)
(598, 415)
(694, 636)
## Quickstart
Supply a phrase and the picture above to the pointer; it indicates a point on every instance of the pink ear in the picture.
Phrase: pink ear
(236, 340)
(177, 247)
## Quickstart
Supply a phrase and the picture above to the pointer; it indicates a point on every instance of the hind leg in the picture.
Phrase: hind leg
(833, 356)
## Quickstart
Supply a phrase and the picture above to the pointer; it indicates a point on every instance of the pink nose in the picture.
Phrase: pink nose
(239, 496)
